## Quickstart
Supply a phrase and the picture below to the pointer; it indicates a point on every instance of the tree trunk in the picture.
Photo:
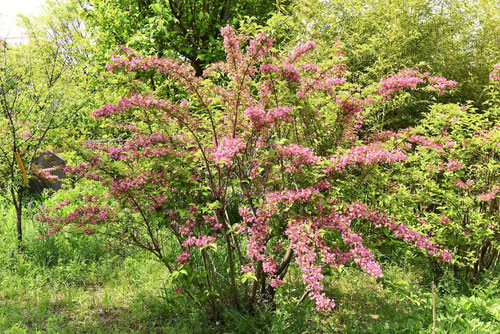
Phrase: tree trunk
(17, 198)
(197, 65)
(19, 220)
(19, 224)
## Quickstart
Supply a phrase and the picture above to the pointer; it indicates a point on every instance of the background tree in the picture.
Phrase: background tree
(189, 29)
(39, 91)
(458, 40)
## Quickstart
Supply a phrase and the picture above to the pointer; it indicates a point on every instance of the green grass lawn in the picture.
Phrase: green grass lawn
(76, 284)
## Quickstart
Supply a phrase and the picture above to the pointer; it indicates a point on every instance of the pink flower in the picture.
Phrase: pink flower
(227, 149)
(183, 258)
(410, 79)
(495, 74)
(440, 84)
(364, 155)
(299, 155)
(454, 164)
(490, 196)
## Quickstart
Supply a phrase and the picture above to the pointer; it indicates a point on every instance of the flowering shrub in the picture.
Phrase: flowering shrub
(239, 172)
(449, 185)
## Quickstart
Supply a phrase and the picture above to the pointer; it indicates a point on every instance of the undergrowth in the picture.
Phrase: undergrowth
(79, 284)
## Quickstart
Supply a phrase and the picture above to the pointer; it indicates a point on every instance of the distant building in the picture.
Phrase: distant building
(14, 40)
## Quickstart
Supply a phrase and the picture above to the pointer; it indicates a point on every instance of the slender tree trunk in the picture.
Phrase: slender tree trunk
(232, 271)
(17, 198)
(19, 224)
(19, 216)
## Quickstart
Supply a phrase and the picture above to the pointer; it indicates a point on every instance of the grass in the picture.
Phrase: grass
(76, 284)
(108, 297)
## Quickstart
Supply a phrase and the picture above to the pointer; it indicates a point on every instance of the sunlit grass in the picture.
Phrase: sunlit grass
(77, 284)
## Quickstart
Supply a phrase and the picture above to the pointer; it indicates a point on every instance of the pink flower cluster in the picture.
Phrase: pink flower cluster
(454, 164)
(142, 102)
(307, 241)
(300, 50)
(490, 196)
(227, 149)
(174, 69)
(291, 196)
(260, 118)
(304, 242)
(257, 227)
(142, 146)
(84, 215)
(400, 230)
(285, 71)
(410, 79)
(309, 77)
(424, 141)
(157, 202)
(133, 181)
(364, 155)
(467, 185)
(449, 166)
(45, 173)
(440, 84)
(238, 64)
(198, 241)
(298, 154)
(495, 74)
(183, 258)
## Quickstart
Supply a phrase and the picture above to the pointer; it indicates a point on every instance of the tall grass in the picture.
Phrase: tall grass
(78, 284)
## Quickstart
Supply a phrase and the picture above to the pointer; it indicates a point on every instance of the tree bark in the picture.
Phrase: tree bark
(197, 66)
(17, 199)
(19, 224)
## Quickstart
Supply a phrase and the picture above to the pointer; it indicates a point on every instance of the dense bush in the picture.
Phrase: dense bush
(242, 170)
(450, 183)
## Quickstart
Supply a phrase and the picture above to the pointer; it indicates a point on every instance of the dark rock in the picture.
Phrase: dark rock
(48, 159)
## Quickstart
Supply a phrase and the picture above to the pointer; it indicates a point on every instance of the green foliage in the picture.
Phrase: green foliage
(452, 202)
(458, 40)
(61, 27)
(76, 283)
(189, 29)
(134, 295)
(37, 96)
